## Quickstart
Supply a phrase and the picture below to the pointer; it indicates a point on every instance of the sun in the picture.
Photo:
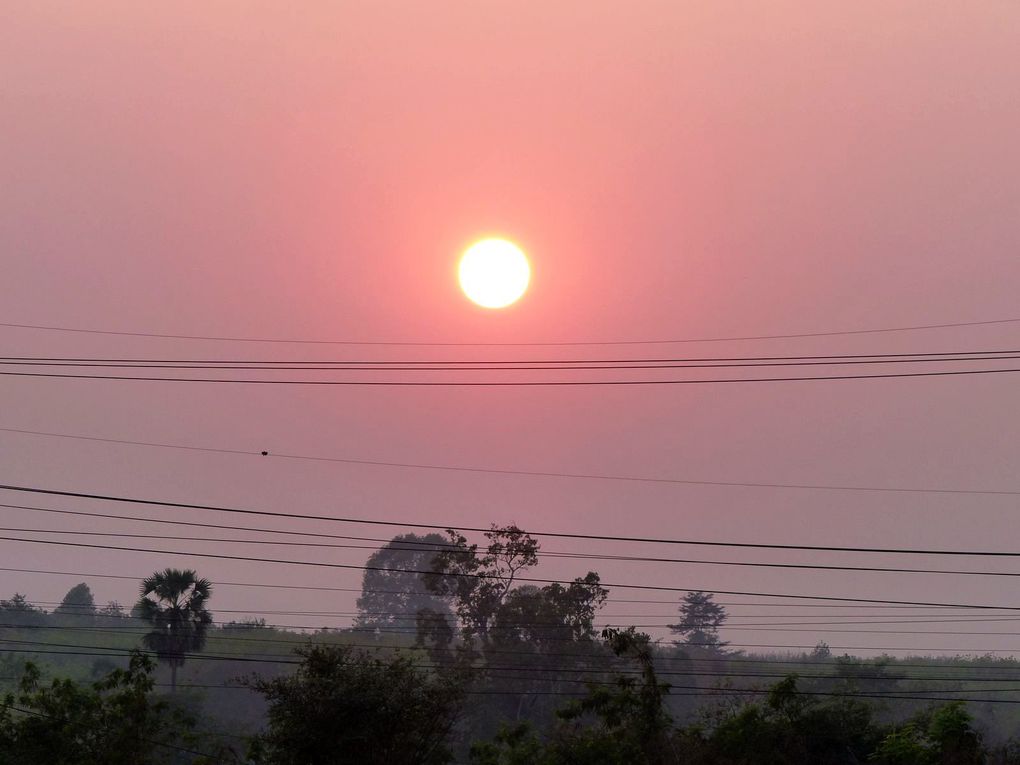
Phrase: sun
(494, 273)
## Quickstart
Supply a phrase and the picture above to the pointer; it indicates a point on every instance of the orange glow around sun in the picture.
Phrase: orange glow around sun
(494, 273)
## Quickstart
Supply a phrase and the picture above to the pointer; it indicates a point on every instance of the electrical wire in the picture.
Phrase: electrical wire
(397, 616)
(505, 383)
(617, 620)
(322, 588)
(505, 366)
(1012, 663)
(533, 580)
(504, 471)
(787, 336)
(694, 690)
(87, 360)
(540, 555)
(287, 659)
(164, 744)
(537, 533)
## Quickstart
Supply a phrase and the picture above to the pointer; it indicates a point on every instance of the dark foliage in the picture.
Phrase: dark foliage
(114, 721)
(78, 603)
(174, 602)
(19, 612)
(390, 596)
(700, 620)
(343, 707)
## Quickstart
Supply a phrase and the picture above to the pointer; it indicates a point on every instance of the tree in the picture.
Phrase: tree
(788, 728)
(541, 617)
(700, 620)
(342, 707)
(112, 615)
(479, 582)
(953, 736)
(525, 626)
(616, 723)
(114, 721)
(18, 612)
(821, 651)
(944, 734)
(633, 723)
(904, 746)
(245, 625)
(513, 745)
(434, 632)
(392, 598)
(174, 602)
(78, 604)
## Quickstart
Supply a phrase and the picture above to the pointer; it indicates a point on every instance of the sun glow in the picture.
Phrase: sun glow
(494, 273)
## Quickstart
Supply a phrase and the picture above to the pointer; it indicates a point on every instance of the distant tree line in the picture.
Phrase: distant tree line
(471, 665)
(78, 608)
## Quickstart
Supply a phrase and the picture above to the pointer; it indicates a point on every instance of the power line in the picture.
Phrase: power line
(703, 692)
(322, 588)
(878, 672)
(289, 341)
(154, 742)
(865, 618)
(541, 554)
(557, 672)
(505, 366)
(907, 695)
(696, 690)
(558, 535)
(700, 660)
(408, 545)
(744, 626)
(726, 660)
(796, 646)
(288, 658)
(859, 619)
(754, 691)
(248, 658)
(611, 619)
(700, 691)
(504, 383)
(89, 360)
(533, 580)
(552, 676)
(513, 472)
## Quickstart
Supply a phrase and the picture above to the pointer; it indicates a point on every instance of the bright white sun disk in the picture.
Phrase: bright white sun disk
(494, 273)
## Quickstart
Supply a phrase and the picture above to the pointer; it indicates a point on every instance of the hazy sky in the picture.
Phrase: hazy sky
(674, 169)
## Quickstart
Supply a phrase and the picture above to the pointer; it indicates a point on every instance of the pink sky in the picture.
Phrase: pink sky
(674, 170)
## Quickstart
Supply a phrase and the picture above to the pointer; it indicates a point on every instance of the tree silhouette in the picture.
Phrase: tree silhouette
(390, 596)
(477, 580)
(19, 612)
(700, 620)
(499, 615)
(623, 722)
(78, 602)
(174, 602)
(114, 720)
(343, 706)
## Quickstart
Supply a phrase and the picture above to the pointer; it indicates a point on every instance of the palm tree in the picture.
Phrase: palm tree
(173, 601)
